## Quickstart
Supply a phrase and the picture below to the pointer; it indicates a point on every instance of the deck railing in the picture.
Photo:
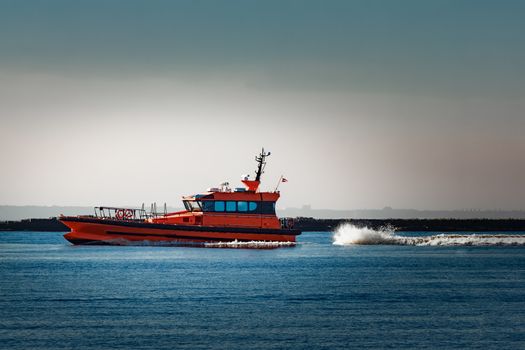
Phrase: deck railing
(130, 214)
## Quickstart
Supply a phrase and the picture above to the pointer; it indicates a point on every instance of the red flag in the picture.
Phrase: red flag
(284, 180)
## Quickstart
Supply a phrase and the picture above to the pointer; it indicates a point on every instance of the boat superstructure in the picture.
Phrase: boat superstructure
(220, 214)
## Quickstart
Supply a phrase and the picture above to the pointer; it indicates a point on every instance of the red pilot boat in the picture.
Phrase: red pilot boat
(217, 215)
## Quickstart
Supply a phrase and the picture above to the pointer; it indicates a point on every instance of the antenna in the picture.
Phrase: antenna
(261, 163)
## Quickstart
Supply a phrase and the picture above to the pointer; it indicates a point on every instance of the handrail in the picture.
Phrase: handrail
(122, 213)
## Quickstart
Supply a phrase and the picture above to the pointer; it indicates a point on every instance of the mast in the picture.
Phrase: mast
(261, 163)
(253, 185)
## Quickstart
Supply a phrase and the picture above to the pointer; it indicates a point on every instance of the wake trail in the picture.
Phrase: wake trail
(348, 234)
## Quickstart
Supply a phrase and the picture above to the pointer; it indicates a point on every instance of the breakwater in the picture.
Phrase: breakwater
(313, 224)
(48, 225)
(424, 225)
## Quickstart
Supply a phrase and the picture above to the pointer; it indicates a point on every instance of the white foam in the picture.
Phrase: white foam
(249, 244)
(348, 234)
(228, 244)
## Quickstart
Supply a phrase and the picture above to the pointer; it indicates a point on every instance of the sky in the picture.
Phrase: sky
(363, 104)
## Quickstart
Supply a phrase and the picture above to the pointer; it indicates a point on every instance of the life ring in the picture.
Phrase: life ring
(119, 214)
(128, 214)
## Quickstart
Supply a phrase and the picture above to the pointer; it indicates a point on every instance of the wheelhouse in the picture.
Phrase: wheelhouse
(222, 206)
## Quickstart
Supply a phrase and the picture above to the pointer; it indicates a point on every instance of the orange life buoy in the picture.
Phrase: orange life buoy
(128, 214)
(119, 214)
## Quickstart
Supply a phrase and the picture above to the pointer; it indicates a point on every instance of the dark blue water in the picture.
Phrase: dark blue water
(315, 295)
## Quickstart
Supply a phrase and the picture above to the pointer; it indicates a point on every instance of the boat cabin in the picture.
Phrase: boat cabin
(241, 207)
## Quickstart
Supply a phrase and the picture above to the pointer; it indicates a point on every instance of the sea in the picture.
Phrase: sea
(354, 288)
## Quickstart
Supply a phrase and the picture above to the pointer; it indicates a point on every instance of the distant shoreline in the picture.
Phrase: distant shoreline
(312, 224)
(423, 225)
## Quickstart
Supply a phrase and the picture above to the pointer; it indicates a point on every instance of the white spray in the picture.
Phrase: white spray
(348, 234)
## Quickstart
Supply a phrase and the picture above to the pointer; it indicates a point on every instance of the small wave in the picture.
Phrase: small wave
(348, 234)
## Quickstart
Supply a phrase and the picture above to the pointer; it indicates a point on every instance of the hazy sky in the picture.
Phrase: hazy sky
(363, 104)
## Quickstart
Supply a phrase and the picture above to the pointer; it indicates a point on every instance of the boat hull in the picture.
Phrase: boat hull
(89, 230)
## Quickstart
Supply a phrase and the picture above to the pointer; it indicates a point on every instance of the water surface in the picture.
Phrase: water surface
(314, 295)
